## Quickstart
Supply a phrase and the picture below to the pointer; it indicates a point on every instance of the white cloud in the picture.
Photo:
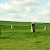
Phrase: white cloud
(48, 4)
(44, 12)
(5, 6)
(30, 0)
(24, 10)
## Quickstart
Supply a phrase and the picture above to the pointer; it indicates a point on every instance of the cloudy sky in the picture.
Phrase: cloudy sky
(25, 10)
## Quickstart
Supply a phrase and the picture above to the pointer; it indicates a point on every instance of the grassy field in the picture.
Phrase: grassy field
(20, 37)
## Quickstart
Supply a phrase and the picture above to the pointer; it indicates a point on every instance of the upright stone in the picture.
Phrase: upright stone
(45, 28)
(33, 27)
(11, 27)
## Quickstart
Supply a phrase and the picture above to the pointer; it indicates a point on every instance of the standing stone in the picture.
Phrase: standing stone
(33, 27)
(45, 28)
(11, 27)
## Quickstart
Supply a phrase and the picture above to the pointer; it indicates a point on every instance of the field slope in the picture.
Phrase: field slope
(20, 37)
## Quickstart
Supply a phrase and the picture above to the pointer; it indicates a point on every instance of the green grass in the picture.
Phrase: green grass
(20, 37)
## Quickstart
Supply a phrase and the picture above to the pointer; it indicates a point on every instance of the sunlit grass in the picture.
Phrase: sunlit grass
(20, 38)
